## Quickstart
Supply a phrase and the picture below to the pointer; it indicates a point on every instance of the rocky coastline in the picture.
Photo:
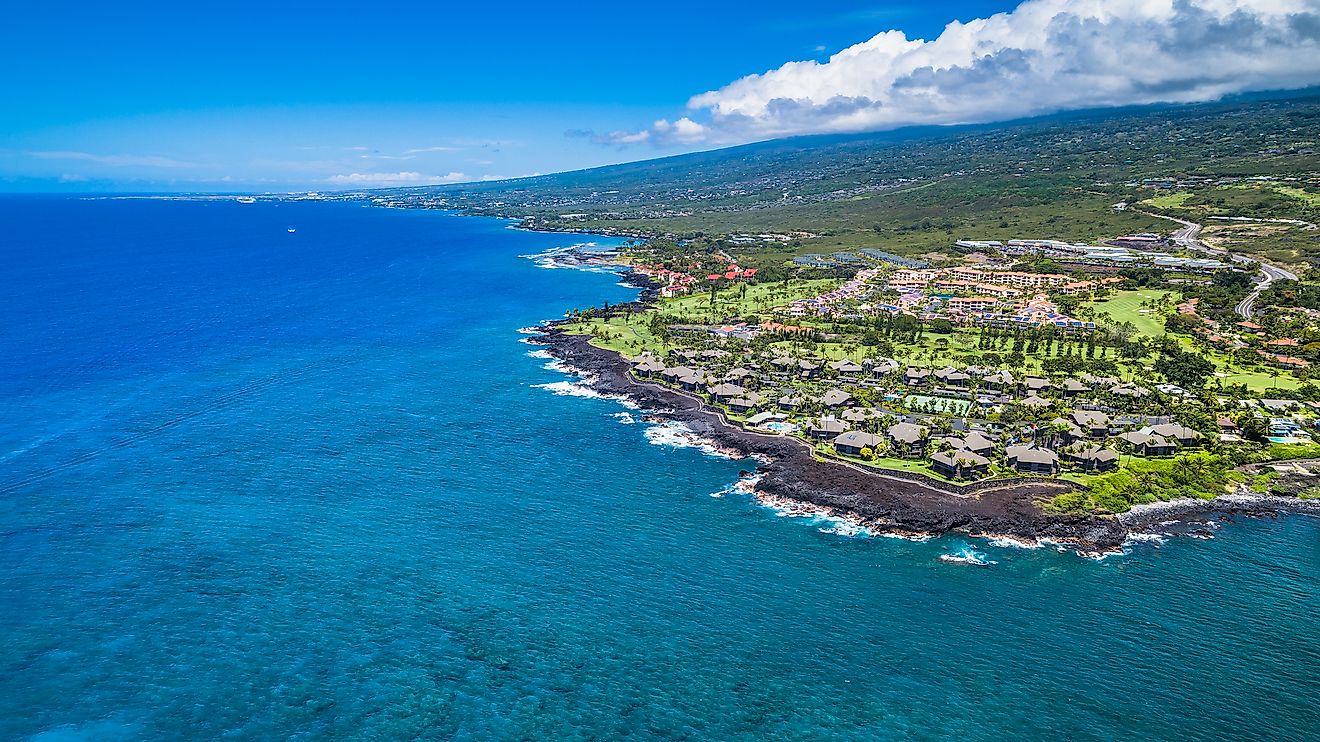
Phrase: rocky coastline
(788, 474)
(788, 471)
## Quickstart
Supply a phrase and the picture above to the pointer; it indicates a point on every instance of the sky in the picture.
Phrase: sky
(285, 96)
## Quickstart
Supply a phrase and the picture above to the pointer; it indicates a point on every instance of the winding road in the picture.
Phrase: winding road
(1188, 236)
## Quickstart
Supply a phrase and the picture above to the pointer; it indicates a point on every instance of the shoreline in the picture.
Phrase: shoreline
(788, 477)
(789, 474)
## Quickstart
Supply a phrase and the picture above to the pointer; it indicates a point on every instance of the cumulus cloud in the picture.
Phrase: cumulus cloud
(394, 179)
(1044, 56)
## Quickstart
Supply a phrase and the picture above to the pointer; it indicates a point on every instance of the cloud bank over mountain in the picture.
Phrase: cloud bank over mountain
(1044, 56)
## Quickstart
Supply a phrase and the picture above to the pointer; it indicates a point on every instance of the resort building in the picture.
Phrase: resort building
(852, 442)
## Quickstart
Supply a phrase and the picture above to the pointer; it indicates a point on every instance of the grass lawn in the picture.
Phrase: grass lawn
(1260, 381)
(1309, 198)
(731, 302)
(1082, 478)
(1169, 200)
(1125, 306)
(919, 466)
(630, 338)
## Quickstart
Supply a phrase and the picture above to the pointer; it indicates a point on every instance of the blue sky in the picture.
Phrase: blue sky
(281, 95)
(287, 95)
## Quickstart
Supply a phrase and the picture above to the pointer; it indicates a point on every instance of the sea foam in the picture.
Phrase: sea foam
(675, 434)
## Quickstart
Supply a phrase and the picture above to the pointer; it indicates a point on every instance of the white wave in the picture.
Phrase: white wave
(1146, 538)
(530, 331)
(744, 486)
(624, 418)
(677, 435)
(919, 538)
(563, 368)
(825, 519)
(967, 555)
(1059, 546)
(542, 353)
(570, 389)
(1013, 542)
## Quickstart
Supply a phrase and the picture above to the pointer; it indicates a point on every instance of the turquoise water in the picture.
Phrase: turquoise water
(262, 485)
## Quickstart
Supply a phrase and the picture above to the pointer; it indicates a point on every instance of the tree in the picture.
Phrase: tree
(1187, 370)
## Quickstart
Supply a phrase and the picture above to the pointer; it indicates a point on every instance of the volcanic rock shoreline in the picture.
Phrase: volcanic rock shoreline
(788, 470)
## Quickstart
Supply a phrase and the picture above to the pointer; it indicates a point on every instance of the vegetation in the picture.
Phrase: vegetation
(1192, 475)
(911, 191)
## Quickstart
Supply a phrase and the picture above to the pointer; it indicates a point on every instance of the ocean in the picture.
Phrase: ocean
(263, 484)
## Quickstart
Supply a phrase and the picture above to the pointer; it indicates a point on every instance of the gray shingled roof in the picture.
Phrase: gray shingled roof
(858, 439)
(906, 432)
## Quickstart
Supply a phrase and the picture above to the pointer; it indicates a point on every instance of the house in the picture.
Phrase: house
(852, 442)
(909, 440)
(916, 376)
(1000, 380)
(1130, 391)
(1279, 405)
(1091, 457)
(826, 428)
(1036, 385)
(859, 414)
(957, 464)
(1181, 434)
(1092, 423)
(975, 442)
(1073, 387)
(1064, 429)
(674, 373)
(1148, 444)
(835, 398)
(725, 392)
(648, 367)
(1284, 427)
(807, 369)
(745, 403)
(1034, 402)
(761, 418)
(884, 366)
(1032, 460)
(694, 381)
(846, 366)
(953, 377)
(737, 374)
(789, 403)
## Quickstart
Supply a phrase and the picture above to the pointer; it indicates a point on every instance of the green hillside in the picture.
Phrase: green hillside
(912, 190)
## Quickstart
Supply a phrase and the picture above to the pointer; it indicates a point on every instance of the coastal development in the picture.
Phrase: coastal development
(1073, 380)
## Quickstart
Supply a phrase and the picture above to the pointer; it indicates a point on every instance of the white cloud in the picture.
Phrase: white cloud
(113, 160)
(1044, 56)
(394, 179)
(420, 150)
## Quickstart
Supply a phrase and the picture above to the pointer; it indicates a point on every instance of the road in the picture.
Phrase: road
(1188, 237)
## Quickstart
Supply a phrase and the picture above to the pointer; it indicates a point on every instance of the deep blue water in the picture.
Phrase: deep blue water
(263, 485)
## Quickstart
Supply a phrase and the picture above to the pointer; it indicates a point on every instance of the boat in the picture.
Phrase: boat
(292, 230)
